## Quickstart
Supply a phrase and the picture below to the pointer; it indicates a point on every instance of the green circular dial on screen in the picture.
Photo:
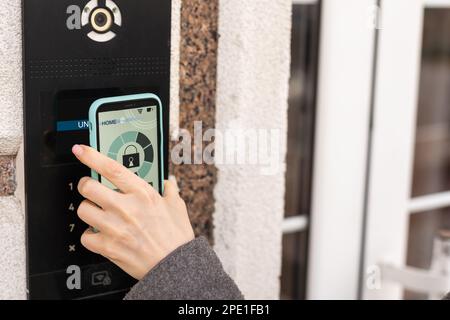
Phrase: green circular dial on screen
(135, 151)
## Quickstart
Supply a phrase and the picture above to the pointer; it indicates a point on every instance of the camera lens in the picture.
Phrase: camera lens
(101, 20)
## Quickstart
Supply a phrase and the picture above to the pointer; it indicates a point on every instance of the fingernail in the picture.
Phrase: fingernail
(173, 179)
(77, 150)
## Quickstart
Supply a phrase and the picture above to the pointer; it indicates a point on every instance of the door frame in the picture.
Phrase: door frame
(347, 43)
(369, 72)
(389, 202)
(393, 135)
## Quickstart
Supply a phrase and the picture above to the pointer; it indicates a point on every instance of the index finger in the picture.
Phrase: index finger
(116, 173)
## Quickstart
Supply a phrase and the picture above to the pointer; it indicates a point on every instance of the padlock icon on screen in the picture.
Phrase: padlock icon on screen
(131, 160)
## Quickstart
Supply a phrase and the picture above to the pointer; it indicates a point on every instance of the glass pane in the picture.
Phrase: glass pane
(294, 266)
(301, 116)
(432, 156)
(432, 153)
(424, 229)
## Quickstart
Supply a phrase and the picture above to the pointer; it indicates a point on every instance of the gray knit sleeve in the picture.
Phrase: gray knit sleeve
(191, 272)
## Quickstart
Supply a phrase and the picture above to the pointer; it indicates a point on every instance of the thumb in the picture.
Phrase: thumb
(171, 188)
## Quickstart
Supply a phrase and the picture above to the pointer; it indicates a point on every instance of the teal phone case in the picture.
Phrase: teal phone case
(93, 125)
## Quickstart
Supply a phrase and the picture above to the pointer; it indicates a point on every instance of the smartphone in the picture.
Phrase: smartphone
(129, 130)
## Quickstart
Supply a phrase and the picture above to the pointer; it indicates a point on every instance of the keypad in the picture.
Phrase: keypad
(59, 251)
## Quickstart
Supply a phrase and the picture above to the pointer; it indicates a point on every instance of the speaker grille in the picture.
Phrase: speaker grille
(98, 67)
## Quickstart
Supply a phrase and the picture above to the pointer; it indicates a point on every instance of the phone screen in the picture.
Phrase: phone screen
(131, 136)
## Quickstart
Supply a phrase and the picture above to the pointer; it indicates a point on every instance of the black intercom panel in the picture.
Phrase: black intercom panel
(76, 51)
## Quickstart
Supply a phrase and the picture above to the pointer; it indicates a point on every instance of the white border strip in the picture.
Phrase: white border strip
(393, 140)
(430, 202)
(295, 224)
(343, 112)
(304, 1)
(436, 3)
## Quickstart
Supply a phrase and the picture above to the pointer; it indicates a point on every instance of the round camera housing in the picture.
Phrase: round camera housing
(101, 20)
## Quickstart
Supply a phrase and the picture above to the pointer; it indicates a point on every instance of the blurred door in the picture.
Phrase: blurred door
(408, 203)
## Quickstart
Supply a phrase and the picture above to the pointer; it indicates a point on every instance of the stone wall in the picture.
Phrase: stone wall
(198, 68)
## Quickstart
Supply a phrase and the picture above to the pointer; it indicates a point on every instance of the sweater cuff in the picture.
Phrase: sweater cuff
(190, 272)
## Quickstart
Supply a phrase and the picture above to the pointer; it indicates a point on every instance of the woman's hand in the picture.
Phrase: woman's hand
(137, 227)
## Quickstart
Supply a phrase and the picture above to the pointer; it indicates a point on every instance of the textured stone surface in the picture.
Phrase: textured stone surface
(252, 93)
(175, 68)
(12, 224)
(198, 59)
(10, 77)
(12, 250)
(7, 176)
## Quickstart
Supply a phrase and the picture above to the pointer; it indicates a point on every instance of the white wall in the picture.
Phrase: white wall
(10, 77)
(252, 92)
(12, 223)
